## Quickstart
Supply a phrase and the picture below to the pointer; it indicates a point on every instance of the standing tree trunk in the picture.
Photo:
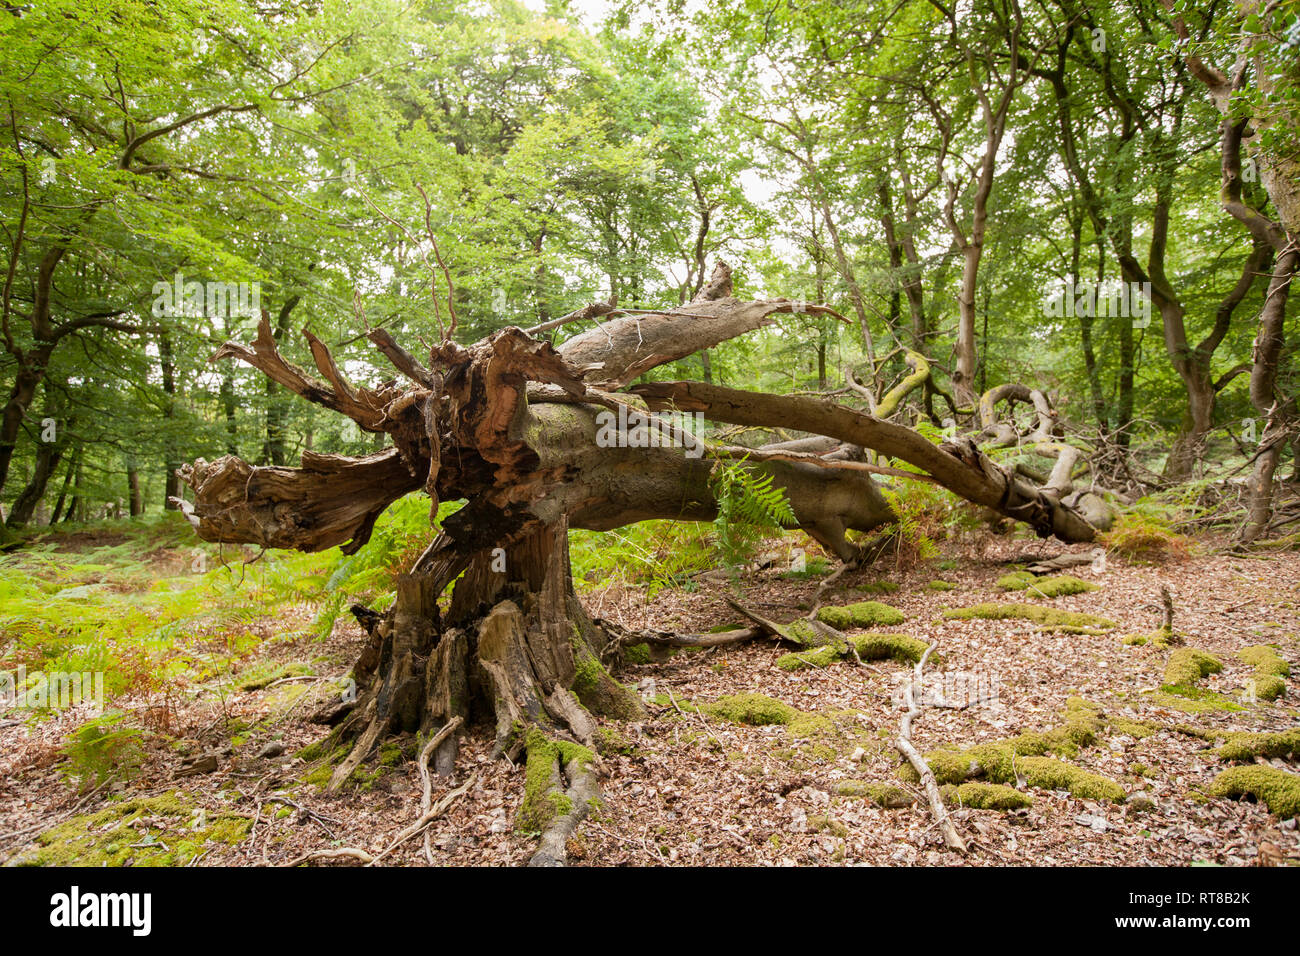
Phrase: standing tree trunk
(73, 461)
(167, 362)
(135, 498)
(48, 455)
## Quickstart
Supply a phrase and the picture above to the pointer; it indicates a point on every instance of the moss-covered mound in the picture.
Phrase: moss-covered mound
(1050, 618)
(870, 646)
(1186, 666)
(1279, 790)
(823, 656)
(1162, 637)
(860, 616)
(878, 587)
(1193, 700)
(1268, 682)
(941, 586)
(985, 796)
(752, 708)
(1061, 585)
(154, 831)
(1016, 580)
(1248, 746)
(885, 795)
(1003, 760)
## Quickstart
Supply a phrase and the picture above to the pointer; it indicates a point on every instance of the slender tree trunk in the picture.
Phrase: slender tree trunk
(135, 499)
(1263, 386)
(171, 459)
(77, 507)
(48, 455)
(73, 461)
(1086, 323)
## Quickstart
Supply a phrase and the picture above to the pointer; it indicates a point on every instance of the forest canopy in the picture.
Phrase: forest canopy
(1021, 195)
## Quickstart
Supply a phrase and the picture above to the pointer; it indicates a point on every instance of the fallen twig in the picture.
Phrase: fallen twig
(904, 744)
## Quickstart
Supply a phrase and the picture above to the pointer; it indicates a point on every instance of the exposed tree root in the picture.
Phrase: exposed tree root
(582, 793)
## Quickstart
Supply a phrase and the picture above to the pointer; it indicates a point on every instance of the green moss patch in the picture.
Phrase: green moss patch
(1268, 681)
(636, 654)
(1193, 700)
(903, 648)
(1052, 774)
(1061, 585)
(812, 633)
(1001, 761)
(871, 646)
(610, 740)
(885, 795)
(1248, 746)
(1163, 637)
(754, 709)
(544, 797)
(986, 796)
(154, 831)
(1049, 618)
(941, 586)
(1016, 580)
(815, 657)
(1279, 790)
(860, 616)
(1186, 666)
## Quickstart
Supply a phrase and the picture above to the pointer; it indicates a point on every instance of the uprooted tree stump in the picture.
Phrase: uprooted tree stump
(515, 428)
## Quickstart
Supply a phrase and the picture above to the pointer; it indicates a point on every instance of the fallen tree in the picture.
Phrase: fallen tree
(514, 427)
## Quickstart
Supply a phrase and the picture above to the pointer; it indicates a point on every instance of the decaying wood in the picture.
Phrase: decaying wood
(342, 853)
(582, 792)
(330, 500)
(513, 426)
(625, 348)
(903, 742)
(958, 465)
(675, 639)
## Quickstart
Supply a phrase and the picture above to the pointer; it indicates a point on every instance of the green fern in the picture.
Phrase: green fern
(750, 507)
(909, 532)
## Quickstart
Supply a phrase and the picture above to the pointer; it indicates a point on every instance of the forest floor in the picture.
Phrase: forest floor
(690, 787)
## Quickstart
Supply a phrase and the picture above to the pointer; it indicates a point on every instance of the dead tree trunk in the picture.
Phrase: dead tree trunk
(515, 428)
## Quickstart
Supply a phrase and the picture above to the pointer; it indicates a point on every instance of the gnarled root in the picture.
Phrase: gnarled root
(514, 648)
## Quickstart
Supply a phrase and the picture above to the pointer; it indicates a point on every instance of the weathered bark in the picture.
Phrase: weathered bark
(30, 374)
(958, 465)
(1270, 237)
